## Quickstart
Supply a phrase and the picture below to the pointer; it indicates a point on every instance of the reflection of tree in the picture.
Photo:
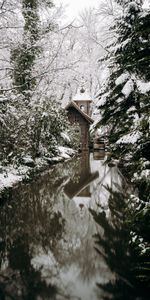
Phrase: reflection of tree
(108, 177)
(43, 232)
(25, 282)
(28, 221)
(80, 228)
(81, 255)
(114, 246)
(87, 261)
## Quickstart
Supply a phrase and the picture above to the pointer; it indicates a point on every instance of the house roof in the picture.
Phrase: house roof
(72, 189)
(82, 95)
(73, 104)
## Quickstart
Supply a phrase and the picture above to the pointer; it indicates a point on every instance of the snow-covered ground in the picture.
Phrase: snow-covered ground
(9, 177)
(12, 174)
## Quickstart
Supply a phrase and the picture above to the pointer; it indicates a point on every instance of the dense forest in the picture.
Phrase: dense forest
(43, 61)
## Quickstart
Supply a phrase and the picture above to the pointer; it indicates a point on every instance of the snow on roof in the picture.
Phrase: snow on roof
(82, 95)
(73, 104)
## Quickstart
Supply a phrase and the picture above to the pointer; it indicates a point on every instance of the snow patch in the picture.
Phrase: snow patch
(131, 109)
(81, 96)
(128, 88)
(3, 99)
(12, 175)
(130, 138)
(121, 45)
(43, 260)
(132, 6)
(65, 137)
(145, 173)
(102, 100)
(143, 87)
(65, 152)
(119, 100)
(28, 160)
(122, 78)
(102, 131)
(8, 179)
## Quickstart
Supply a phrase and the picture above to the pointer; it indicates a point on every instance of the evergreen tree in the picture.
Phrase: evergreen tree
(126, 110)
(127, 104)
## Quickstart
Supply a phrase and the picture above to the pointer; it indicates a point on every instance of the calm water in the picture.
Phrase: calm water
(61, 236)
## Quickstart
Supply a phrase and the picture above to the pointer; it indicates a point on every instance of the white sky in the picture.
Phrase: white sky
(74, 7)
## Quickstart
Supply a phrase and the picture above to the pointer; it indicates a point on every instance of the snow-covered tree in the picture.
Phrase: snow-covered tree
(126, 106)
(125, 109)
(31, 122)
(11, 29)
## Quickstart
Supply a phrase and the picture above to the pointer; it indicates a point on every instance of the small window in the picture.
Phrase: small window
(82, 107)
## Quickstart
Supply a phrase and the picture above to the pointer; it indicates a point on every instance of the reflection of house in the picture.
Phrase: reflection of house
(79, 111)
(81, 186)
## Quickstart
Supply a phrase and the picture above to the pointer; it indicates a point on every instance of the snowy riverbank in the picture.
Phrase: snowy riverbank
(10, 175)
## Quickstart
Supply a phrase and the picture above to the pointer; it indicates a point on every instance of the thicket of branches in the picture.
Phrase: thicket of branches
(31, 118)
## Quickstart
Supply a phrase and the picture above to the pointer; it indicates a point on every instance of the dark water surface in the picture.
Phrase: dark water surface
(61, 235)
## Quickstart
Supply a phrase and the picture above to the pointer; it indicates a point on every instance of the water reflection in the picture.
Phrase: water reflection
(113, 245)
(81, 186)
(47, 249)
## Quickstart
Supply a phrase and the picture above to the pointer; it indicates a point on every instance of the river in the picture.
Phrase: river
(61, 236)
